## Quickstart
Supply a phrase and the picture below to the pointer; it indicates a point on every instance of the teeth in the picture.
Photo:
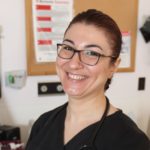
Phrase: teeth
(76, 77)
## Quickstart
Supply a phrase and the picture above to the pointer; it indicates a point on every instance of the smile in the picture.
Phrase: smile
(76, 77)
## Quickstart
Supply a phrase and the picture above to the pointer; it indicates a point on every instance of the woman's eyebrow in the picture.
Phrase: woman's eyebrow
(94, 45)
(87, 46)
(67, 40)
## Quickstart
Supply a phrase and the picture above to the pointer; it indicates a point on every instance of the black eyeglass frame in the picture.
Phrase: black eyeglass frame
(79, 51)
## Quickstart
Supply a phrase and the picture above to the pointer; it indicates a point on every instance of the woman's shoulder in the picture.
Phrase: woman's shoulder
(52, 113)
(48, 116)
(43, 124)
(125, 132)
(122, 121)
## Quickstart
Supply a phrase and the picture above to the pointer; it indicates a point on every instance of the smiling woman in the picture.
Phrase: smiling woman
(87, 59)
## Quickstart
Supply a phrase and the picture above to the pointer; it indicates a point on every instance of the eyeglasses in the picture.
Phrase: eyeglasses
(88, 57)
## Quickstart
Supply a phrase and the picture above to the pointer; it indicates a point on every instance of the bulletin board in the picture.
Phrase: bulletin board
(124, 12)
(34, 68)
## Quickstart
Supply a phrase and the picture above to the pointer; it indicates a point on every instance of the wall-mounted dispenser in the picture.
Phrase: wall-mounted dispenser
(15, 79)
(145, 30)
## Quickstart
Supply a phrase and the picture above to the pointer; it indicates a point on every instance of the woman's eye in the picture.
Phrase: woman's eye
(91, 53)
(68, 48)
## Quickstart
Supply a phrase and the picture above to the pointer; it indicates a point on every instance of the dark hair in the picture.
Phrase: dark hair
(105, 22)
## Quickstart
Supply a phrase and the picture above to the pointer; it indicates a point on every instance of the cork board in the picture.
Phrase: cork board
(124, 12)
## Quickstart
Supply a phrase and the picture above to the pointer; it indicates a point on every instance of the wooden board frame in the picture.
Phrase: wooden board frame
(124, 12)
(34, 68)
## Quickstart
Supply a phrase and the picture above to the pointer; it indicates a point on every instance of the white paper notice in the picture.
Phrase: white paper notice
(126, 50)
(50, 19)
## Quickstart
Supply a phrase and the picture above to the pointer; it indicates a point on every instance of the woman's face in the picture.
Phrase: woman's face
(77, 78)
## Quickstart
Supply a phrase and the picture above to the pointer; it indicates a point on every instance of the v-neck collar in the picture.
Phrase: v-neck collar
(80, 138)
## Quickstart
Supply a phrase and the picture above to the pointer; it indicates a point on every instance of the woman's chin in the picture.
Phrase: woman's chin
(74, 92)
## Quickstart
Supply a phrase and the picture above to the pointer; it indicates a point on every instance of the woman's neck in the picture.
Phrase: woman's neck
(86, 108)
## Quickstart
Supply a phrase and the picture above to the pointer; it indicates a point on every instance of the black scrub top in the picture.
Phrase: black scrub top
(118, 132)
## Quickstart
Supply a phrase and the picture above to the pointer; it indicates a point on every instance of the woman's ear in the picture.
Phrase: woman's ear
(56, 67)
(116, 64)
(114, 67)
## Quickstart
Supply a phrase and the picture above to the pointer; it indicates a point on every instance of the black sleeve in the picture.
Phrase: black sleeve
(132, 138)
(39, 123)
(133, 141)
(41, 126)
(123, 134)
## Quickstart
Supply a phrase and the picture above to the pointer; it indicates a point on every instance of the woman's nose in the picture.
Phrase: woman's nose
(75, 62)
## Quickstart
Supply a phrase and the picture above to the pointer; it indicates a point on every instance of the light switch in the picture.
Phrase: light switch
(141, 83)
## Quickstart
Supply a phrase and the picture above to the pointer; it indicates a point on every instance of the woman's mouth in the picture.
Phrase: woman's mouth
(76, 76)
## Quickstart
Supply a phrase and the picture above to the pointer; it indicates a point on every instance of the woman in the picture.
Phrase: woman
(87, 59)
